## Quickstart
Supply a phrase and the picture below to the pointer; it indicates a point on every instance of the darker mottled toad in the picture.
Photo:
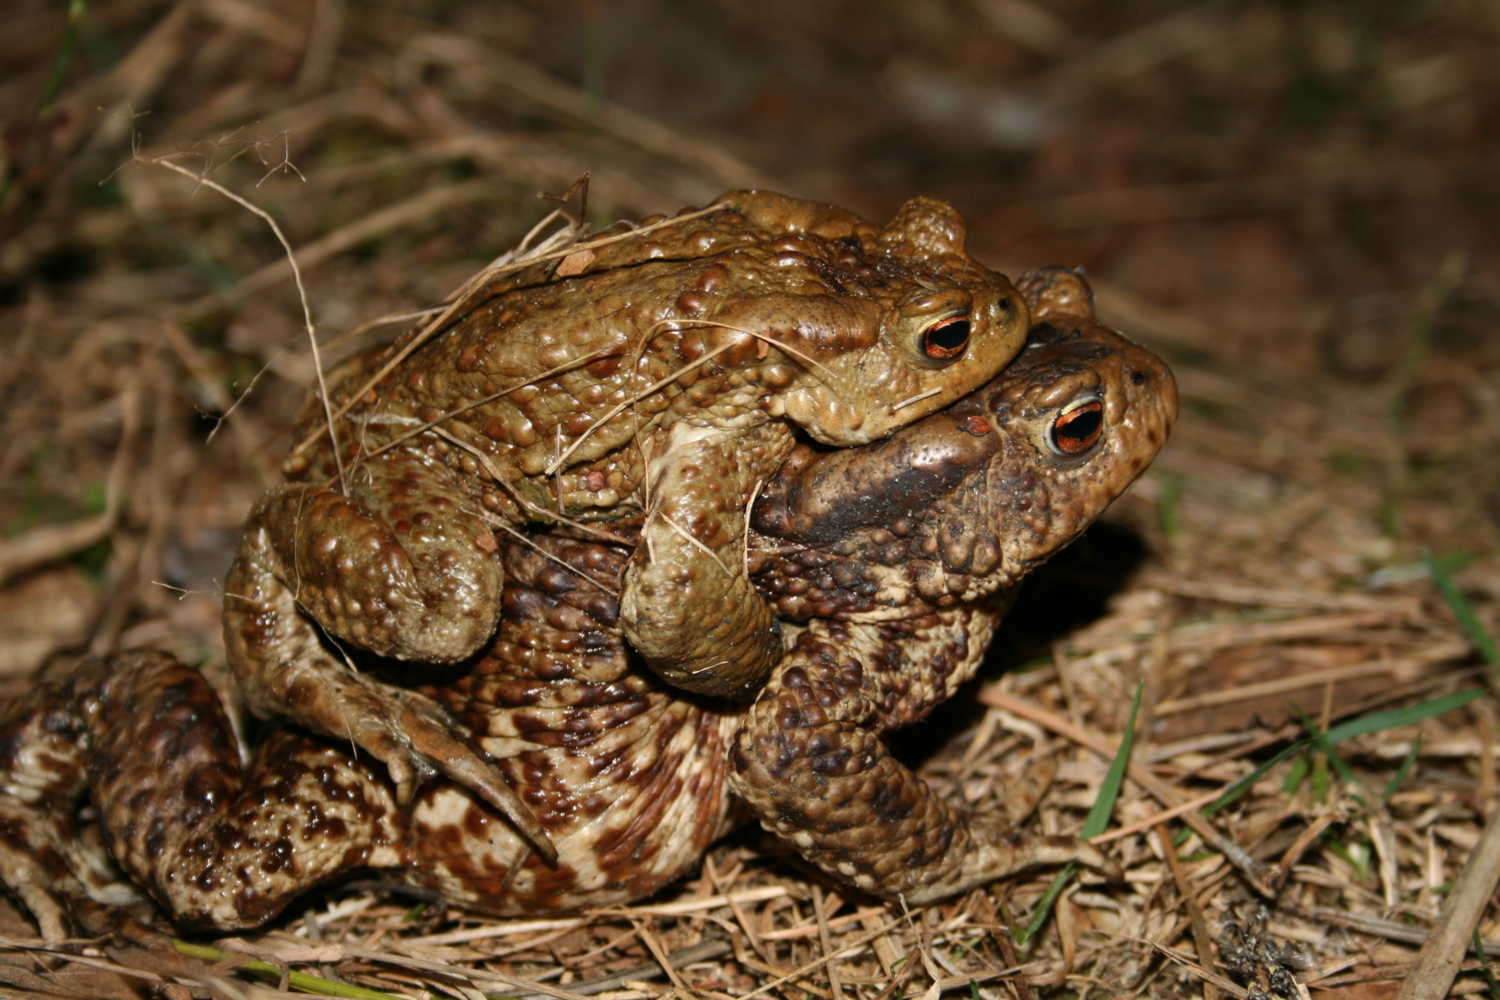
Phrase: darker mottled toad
(891, 562)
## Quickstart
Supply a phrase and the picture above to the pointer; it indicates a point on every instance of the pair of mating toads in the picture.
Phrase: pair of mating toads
(606, 600)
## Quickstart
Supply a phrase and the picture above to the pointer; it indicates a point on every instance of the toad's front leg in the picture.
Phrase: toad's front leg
(399, 567)
(687, 604)
(810, 761)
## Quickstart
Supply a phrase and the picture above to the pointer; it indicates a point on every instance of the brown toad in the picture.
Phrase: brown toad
(665, 374)
(898, 557)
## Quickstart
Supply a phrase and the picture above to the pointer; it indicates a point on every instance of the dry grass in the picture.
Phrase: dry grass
(1328, 296)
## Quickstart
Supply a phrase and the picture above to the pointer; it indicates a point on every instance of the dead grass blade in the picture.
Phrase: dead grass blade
(296, 272)
(49, 543)
(1444, 949)
(464, 300)
(389, 219)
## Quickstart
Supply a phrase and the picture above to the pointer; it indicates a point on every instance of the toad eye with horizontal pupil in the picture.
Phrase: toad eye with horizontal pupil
(1076, 429)
(947, 338)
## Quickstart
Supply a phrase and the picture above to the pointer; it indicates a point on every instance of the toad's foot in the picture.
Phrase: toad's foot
(687, 604)
(216, 847)
(810, 762)
(398, 567)
(42, 874)
(402, 566)
(285, 671)
(55, 867)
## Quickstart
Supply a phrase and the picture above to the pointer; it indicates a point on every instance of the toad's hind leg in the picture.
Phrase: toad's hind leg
(810, 761)
(53, 865)
(217, 847)
(401, 568)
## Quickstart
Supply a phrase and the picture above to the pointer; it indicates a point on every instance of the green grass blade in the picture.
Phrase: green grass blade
(1379, 721)
(1403, 770)
(1044, 905)
(1484, 967)
(1296, 775)
(1109, 789)
(63, 57)
(1359, 862)
(1096, 821)
(1324, 744)
(1242, 785)
(1355, 727)
(1320, 782)
(306, 982)
(1482, 640)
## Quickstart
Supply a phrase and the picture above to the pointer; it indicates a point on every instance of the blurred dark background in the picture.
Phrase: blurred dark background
(1294, 202)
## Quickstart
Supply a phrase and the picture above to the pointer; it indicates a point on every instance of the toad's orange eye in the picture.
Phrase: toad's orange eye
(947, 338)
(1075, 430)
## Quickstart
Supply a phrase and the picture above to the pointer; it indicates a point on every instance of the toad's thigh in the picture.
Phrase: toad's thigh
(629, 813)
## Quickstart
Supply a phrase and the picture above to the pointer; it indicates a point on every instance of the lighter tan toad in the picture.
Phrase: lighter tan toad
(668, 374)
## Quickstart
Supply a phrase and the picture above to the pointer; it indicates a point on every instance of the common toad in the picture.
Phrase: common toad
(895, 560)
(666, 375)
